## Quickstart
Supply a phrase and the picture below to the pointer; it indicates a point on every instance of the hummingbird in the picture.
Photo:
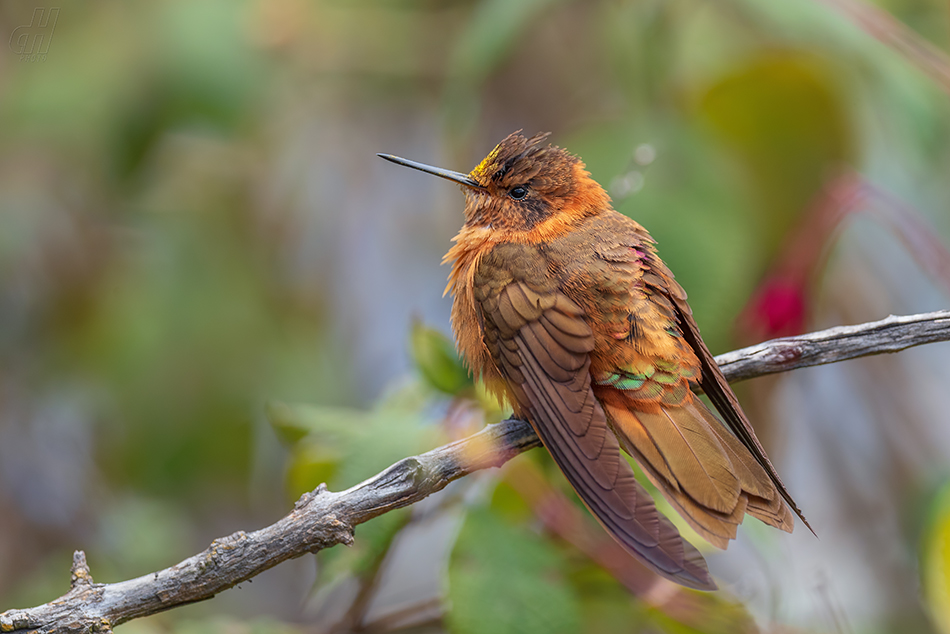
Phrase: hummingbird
(563, 308)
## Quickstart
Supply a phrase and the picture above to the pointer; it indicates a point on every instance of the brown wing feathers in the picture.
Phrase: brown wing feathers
(694, 454)
(713, 505)
(542, 345)
(656, 298)
(716, 387)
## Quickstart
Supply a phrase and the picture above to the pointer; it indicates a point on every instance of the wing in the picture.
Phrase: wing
(712, 475)
(540, 342)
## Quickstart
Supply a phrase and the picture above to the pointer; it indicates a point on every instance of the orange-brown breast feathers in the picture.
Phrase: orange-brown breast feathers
(464, 255)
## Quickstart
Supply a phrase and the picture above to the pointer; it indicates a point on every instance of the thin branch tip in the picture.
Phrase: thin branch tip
(309, 496)
(80, 575)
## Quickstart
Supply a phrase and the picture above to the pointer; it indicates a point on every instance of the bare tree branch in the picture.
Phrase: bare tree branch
(835, 344)
(321, 519)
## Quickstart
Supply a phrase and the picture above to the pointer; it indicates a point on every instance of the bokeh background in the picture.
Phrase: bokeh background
(213, 296)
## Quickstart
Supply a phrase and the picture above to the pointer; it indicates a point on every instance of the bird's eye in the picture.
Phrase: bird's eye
(518, 192)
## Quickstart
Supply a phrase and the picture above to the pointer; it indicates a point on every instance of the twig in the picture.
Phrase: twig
(835, 344)
(322, 519)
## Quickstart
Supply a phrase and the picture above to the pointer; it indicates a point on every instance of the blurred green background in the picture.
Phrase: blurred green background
(213, 296)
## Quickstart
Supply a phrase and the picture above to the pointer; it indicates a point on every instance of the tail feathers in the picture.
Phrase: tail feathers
(764, 502)
(711, 479)
(715, 527)
(773, 512)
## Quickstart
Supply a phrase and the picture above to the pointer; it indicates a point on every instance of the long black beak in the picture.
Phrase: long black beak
(462, 179)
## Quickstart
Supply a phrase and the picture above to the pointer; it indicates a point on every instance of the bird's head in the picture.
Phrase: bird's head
(524, 185)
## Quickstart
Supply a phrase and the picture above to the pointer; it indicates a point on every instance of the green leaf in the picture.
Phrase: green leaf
(341, 446)
(389, 436)
(332, 424)
(310, 465)
(503, 578)
(435, 356)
